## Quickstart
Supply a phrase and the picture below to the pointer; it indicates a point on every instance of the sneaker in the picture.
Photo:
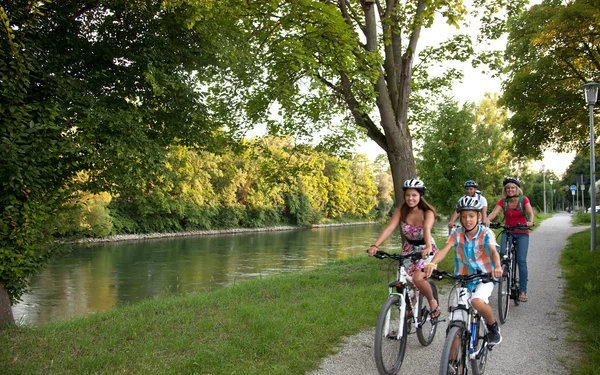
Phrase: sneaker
(494, 336)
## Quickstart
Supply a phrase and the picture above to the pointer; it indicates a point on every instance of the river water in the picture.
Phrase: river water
(102, 276)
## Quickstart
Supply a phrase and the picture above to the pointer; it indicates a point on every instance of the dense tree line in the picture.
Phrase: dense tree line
(268, 182)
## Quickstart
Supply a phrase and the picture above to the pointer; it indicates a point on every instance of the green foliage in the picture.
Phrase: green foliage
(345, 69)
(266, 183)
(552, 49)
(299, 211)
(103, 87)
(466, 143)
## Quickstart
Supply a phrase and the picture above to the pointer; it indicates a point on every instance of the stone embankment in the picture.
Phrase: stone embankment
(144, 236)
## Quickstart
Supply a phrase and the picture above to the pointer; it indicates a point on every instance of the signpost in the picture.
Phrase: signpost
(583, 197)
(573, 190)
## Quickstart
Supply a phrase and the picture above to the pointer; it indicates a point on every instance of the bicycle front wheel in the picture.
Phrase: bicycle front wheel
(480, 349)
(390, 340)
(515, 280)
(504, 293)
(454, 354)
(426, 326)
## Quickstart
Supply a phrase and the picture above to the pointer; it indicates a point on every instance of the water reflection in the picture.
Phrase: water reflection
(100, 277)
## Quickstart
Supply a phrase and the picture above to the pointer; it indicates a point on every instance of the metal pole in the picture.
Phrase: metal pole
(544, 174)
(592, 180)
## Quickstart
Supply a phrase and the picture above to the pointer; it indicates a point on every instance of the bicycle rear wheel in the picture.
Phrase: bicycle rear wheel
(390, 344)
(480, 349)
(426, 326)
(504, 293)
(454, 354)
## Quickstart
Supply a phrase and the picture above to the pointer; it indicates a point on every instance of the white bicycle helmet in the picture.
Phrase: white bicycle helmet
(413, 183)
(467, 203)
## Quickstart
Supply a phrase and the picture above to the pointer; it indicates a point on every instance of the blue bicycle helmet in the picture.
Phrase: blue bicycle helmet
(471, 183)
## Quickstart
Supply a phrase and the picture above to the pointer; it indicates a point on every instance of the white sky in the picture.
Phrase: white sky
(473, 88)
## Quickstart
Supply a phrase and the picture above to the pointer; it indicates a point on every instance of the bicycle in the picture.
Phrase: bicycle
(397, 317)
(508, 285)
(466, 345)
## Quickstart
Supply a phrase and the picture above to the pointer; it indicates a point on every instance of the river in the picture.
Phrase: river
(99, 277)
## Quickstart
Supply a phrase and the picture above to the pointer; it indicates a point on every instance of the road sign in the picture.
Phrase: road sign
(573, 187)
(582, 187)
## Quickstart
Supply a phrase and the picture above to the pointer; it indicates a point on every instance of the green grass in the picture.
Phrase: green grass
(274, 325)
(581, 218)
(581, 269)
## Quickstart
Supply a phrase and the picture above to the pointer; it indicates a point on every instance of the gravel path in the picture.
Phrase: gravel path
(533, 336)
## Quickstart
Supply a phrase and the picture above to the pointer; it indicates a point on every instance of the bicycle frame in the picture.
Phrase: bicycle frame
(401, 287)
(510, 257)
(395, 323)
(469, 320)
(466, 339)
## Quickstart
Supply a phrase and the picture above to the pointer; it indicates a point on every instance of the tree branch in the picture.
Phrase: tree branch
(362, 120)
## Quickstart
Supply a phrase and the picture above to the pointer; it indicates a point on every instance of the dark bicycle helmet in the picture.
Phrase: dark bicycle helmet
(471, 183)
(413, 183)
(509, 180)
(467, 203)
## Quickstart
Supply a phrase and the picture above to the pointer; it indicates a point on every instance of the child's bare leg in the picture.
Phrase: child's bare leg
(484, 310)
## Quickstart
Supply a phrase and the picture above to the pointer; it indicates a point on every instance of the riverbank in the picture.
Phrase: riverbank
(146, 236)
(269, 325)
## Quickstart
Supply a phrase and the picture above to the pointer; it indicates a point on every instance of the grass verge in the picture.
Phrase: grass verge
(581, 269)
(273, 325)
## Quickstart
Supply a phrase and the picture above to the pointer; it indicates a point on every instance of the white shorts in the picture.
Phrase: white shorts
(483, 291)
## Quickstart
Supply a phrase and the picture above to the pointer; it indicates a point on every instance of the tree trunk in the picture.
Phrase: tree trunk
(402, 164)
(6, 315)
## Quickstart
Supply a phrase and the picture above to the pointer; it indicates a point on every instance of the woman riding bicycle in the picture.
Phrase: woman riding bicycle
(517, 211)
(475, 251)
(416, 218)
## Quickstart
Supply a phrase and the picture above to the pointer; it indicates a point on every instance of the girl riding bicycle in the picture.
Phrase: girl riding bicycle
(475, 251)
(416, 218)
(517, 211)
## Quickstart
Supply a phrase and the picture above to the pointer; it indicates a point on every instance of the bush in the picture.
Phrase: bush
(230, 217)
(581, 218)
(198, 218)
(259, 217)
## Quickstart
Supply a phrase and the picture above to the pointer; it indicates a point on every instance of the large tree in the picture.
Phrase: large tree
(552, 49)
(465, 143)
(98, 86)
(350, 63)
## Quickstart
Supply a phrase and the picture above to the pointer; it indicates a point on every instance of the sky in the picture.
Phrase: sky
(473, 88)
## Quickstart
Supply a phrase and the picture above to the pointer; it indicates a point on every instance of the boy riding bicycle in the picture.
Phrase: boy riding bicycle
(475, 251)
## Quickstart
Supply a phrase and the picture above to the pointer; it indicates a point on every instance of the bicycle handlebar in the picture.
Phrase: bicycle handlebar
(494, 225)
(485, 277)
(400, 257)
